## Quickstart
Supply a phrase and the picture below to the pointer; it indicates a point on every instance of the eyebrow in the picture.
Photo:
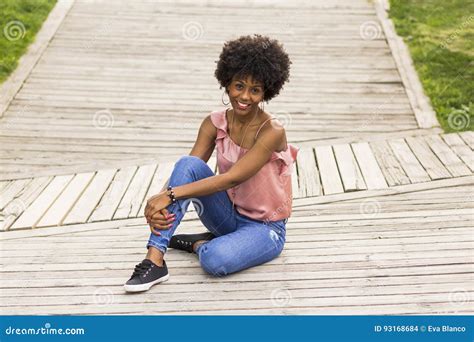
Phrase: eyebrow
(252, 85)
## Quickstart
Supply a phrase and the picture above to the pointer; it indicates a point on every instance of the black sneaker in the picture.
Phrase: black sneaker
(185, 242)
(145, 275)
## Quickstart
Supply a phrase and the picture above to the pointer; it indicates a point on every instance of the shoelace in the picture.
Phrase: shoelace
(141, 268)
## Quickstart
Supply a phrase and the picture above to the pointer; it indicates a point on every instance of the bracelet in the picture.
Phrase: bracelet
(170, 193)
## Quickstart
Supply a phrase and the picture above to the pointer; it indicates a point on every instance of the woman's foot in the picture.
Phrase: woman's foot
(145, 275)
(186, 242)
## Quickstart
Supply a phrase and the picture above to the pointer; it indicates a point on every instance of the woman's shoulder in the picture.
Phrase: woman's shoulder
(272, 127)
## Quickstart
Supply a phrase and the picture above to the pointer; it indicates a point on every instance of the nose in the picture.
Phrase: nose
(245, 95)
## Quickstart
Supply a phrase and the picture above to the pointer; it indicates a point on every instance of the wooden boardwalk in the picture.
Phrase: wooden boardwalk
(99, 91)
(115, 194)
(383, 200)
(377, 256)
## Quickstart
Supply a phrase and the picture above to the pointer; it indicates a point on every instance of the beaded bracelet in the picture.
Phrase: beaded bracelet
(170, 194)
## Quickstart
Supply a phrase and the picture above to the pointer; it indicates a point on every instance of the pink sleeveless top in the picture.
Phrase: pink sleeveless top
(266, 196)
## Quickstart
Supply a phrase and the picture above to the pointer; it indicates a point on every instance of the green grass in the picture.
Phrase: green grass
(440, 36)
(20, 20)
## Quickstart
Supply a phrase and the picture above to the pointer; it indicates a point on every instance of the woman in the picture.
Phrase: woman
(246, 206)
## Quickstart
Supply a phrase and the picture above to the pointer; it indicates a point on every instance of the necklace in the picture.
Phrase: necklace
(245, 130)
(240, 146)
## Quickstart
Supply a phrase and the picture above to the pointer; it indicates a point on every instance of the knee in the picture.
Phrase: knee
(190, 160)
(190, 163)
(215, 260)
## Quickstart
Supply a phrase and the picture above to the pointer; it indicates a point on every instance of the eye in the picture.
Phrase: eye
(255, 90)
(238, 86)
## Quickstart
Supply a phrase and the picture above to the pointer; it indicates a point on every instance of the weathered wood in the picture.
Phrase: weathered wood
(408, 161)
(308, 174)
(108, 204)
(450, 160)
(461, 149)
(65, 201)
(329, 172)
(11, 190)
(424, 113)
(90, 198)
(427, 158)
(468, 137)
(38, 208)
(368, 165)
(348, 168)
(23, 199)
(134, 196)
(162, 173)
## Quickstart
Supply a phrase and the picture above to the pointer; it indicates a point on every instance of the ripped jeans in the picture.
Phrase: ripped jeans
(240, 243)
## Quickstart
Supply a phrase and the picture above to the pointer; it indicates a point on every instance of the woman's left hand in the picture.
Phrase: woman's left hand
(155, 204)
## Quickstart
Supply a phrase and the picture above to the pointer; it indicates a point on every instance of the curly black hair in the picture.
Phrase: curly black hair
(260, 57)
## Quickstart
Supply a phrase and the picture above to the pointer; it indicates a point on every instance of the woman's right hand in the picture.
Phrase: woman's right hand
(160, 221)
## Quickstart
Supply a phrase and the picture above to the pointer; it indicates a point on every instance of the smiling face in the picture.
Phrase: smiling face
(245, 94)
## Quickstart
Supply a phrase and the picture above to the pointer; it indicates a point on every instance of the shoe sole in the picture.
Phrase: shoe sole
(145, 287)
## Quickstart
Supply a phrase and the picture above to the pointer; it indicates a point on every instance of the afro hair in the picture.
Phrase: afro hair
(260, 57)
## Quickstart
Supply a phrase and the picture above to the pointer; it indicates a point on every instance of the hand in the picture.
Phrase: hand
(156, 213)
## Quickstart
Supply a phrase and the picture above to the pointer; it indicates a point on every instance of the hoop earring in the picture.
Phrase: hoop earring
(222, 99)
(262, 108)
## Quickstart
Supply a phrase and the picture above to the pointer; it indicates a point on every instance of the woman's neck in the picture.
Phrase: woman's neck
(247, 119)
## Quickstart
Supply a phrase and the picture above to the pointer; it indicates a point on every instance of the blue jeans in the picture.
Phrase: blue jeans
(240, 243)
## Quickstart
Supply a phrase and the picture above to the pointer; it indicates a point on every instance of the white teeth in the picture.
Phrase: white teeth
(243, 105)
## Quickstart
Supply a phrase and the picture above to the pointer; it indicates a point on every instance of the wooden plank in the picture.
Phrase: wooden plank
(38, 208)
(450, 160)
(3, 185)
(390, 166)
(460, 148)
(24, 199)
(90, 198)
(135, 194)
(308, 173)
(11, 190)
(427, 158)
(348, 168)
(408, 161)
(468, 137)
(108, 204)
(330, 178)
(162, 174)
(63, 204)
(373, 176)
